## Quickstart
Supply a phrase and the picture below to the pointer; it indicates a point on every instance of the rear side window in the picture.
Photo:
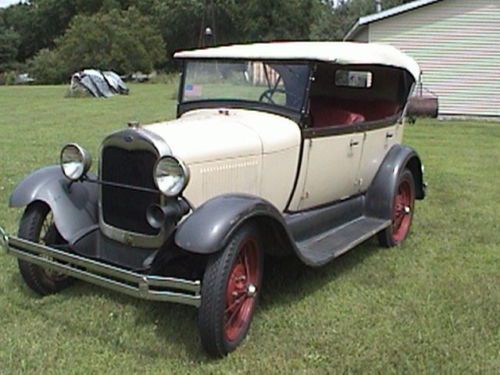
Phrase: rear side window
(353, 78)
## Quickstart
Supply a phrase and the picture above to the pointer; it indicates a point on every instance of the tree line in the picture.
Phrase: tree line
(54, 38)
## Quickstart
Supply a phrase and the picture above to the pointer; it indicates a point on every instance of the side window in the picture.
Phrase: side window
(353, 78)
(346, 95)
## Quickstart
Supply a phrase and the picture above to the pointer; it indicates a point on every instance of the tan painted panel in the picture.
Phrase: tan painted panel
(332, 169)
(376, 145)
(235, 151)
(278, 176)
(301, 179)
(210, 179)
(208, 138)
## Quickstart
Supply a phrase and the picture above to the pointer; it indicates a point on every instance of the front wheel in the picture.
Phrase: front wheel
(230, 289)
(37, 225)
(402, 212)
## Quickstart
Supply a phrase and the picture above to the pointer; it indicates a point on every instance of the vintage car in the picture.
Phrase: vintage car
(289, 148)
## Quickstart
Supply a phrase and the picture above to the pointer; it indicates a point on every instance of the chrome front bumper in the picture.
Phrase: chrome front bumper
(148, 287)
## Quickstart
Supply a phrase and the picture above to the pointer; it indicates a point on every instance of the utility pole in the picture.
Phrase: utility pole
(207, 37)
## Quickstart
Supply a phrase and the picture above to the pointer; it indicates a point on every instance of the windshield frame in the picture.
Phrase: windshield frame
(296, 115)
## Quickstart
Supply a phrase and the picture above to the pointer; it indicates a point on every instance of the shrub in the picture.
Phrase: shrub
(47, 67)
(8, 78)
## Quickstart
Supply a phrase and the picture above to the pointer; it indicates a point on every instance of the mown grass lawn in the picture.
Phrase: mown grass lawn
(430, 306)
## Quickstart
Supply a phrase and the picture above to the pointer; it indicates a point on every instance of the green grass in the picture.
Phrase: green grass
(430, 306)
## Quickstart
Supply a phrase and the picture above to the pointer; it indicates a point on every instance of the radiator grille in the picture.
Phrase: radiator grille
(125, 208)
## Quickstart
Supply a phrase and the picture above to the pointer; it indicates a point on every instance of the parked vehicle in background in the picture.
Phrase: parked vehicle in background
(24, 79)
(280, 149)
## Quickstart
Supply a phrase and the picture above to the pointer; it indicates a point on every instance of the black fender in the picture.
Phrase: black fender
(74, 206)
(379, 197)
(209, 228)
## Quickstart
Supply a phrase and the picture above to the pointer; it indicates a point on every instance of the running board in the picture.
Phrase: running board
(322, 248)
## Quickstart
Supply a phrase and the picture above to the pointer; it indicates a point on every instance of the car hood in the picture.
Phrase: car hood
(217, 134)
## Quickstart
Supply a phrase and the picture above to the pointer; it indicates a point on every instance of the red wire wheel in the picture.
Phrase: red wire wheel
(402, 212)
(241, 290)
(229, 292)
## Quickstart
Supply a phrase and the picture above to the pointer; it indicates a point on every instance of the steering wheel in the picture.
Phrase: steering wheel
(268, 94)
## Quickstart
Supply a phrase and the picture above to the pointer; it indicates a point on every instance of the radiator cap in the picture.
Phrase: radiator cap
(134, 124)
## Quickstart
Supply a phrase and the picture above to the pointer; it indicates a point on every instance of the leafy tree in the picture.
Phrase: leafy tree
(9, 43)
(128, 34)
(280, 19)
(181, 21)
(20, 18)
(123, 41)
(41, 22)
(333, 23)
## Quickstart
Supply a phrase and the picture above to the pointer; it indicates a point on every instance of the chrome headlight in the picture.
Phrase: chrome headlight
(171, 176)
(75, 161)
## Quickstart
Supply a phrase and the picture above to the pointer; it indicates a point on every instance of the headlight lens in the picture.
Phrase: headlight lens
(75, 161)
(171, 176)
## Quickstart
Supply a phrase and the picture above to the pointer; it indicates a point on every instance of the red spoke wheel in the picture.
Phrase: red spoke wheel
(402, 211)
(230, 289)
(37, 225)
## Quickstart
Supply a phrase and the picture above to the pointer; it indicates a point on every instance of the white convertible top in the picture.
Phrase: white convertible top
(334, 52)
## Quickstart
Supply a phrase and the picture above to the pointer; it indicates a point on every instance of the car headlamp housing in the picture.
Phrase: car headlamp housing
(75, 161)
(171, 176)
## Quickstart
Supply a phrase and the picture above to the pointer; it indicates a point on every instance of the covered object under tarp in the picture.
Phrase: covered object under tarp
(97, 83)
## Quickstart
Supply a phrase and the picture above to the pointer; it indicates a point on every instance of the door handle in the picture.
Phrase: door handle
(389, 135)
(353, 143)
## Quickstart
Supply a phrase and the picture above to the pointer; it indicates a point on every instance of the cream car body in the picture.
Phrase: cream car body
(234, 150)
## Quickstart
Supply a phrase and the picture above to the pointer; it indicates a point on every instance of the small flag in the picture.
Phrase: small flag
(193, 90)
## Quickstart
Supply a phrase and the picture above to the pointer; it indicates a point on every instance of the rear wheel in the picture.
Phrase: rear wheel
(230, 289)
(402, 212)
(37, 225)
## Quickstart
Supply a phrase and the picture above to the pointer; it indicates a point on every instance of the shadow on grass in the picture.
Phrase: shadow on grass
(286, 281)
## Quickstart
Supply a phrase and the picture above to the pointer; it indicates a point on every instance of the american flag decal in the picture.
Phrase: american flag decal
(193, 90)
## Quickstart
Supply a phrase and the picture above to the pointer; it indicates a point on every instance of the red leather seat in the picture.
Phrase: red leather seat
(373, 110)
(331, 111)
(324, 114)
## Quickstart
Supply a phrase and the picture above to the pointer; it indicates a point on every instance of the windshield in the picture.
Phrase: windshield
(280, 84)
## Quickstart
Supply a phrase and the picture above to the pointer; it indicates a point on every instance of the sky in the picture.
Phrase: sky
(6, 3)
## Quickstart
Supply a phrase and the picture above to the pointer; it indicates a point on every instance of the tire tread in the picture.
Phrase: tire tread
(32, 274)
(211, 312)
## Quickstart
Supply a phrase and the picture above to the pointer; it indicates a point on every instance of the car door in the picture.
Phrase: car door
(376, 144)
(329, 167)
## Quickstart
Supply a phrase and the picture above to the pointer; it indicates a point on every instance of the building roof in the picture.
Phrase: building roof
(362, 21)
(344, 53)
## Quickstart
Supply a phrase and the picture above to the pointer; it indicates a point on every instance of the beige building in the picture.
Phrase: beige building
(456, 43)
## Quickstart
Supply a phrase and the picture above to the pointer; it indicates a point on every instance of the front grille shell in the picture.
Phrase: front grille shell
(125, 208)
(122, 211)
